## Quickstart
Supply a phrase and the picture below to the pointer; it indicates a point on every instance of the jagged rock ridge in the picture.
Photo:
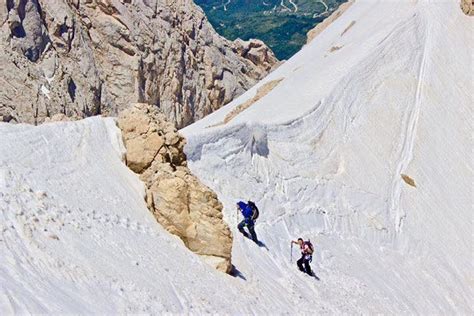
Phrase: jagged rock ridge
(88, 57)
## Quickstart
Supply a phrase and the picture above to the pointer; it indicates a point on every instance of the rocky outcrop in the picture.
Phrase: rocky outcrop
(258, 53)
(467, 7)
(87, 57)
(326, 22)
(180, 203)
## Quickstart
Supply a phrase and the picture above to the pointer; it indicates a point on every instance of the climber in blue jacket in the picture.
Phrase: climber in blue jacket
(250, 214)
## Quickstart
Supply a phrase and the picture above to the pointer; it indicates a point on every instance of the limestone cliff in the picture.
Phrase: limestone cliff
(87, 57)
(180, 203)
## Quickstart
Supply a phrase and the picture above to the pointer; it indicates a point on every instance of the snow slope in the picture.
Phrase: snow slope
(321, 154)
(384, 91)
(76, 235)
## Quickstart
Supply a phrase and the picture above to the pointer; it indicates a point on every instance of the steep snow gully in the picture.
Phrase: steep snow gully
(321, 154)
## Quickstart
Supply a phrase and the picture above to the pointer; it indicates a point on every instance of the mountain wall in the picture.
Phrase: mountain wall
(88, 57)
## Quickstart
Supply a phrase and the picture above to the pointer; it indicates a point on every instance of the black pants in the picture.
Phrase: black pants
(302, 261)
(250, 226)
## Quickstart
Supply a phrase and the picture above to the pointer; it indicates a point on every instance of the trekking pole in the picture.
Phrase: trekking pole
(291, 253)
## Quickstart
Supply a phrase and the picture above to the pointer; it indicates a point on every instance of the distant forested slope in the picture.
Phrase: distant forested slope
(281, 24)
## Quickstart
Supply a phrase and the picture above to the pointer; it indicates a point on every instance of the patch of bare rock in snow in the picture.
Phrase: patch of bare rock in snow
(178, 200)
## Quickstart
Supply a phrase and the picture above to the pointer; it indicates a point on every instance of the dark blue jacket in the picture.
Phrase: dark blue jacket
(246, 210)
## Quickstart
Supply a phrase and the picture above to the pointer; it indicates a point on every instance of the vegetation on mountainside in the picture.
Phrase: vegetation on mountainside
(281, 24)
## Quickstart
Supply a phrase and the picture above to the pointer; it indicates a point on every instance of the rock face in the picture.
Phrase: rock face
(180, 203)
(257, 52)
(87, 57)
(467, 7)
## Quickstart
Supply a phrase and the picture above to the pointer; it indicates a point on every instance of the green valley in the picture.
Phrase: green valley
(281, 24)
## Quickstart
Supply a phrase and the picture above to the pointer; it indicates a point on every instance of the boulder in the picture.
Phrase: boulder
(467, 7)
(178, 200)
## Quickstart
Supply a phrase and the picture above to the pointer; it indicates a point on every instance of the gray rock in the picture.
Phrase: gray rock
(90, 57)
